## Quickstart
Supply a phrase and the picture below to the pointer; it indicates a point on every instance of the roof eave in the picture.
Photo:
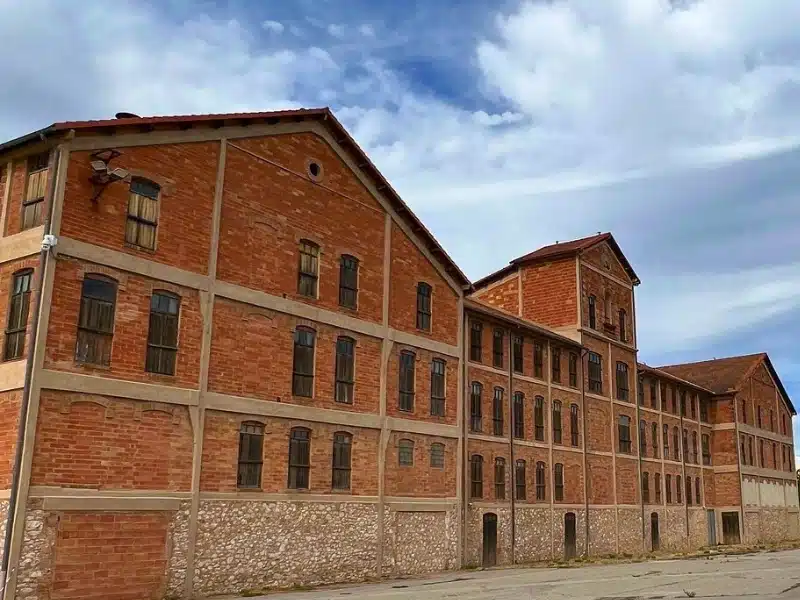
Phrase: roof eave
(39, 134)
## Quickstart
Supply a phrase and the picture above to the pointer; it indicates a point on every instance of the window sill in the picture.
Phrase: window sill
(131, 246)
(91, 366)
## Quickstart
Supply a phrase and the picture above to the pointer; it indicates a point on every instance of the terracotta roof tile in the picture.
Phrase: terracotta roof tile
(720, 375)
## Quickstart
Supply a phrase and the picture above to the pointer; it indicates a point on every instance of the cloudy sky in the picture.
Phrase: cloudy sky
(505, 124)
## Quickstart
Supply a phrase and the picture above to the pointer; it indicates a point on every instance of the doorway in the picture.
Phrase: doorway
(489, 539)
(730, 528)
(712, 527)
(655, 538)
(570, 536)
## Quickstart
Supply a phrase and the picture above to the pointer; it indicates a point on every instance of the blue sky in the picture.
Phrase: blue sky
(506, 125)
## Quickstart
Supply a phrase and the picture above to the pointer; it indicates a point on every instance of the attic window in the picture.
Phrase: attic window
(314, 170)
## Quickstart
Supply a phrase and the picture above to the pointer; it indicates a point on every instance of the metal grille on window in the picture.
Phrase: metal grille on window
(595, 373)
(437, 387)
(162, 337)
(519, 415)
(556, 422)
(573, 424)
(342, 458)
(18, 309)
(573, 369)
(519, 480)
(622, 381)
(142, 214)
(348, 281)
(497, 348)
(538, 360)
(476, 399)
(424, 306)
(407, 363)
(498, 412)
(476, 476)
(538, 418)
(646, 488)
(96, 320)
(308, 272)
(303, 368)
(555, 359)
(540, 485)
(345, 369)
(405, 453)
(437, 455)
(475, 341)
(624, 433)
(299, 458)
(251, 443)
(500, 478)
(643, 438)
(518, 355)
(558, 485)
(35, 190)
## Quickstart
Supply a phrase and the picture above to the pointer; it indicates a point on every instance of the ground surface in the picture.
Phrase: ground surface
(772, 575)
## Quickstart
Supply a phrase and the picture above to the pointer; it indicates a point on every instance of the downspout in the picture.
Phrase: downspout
(55, 157)
(639, 449)
(584, 352)
(684, 450)
(513, 465)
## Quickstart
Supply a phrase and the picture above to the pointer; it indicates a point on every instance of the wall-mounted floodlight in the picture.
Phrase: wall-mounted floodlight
(102, 174)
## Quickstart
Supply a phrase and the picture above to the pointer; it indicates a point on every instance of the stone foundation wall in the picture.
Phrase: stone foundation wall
(602, 531)
(35, 569)
(177, 549)
(793, 525)
(648, 530)
(773, 524)
(698, 528)
(474, 551)
(245, 545)
(673, 529)
(3, 515)
(558, 531)
(533, 534)
(752, 527)
(630, 531)
(419, 542)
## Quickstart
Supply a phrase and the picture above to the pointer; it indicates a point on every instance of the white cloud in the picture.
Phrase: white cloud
(337, 31)
(366, 30)
(273, 26)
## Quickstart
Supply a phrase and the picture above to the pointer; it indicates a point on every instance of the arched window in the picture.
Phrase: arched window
(348, 281)
(538, 417)
(676, 442)
(556, 421)
(308, 272)
(646, 487)
(437, 455)
(299, 458)
(519, 479)
(573, 424)
(405, 453)
(500, 478)
(408, 362)
(162, 336)
(18, 309)
(476, 476)
(345, 369)
(643, 438)
(142, 213)
(424, 306)
(558, 485)
(96, 320)
(625, 434)
(342, 458)
(498, 412)
(251, 459)
(592, 312)
(303, 362)
(654, 439)
(540, 484)
(519, 415)
(476, 414)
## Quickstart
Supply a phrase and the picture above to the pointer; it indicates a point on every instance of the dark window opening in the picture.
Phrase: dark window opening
(538, 418)
(405, 453)
(476, 476)
(519, 415)
(622, 381)
(497, 348)
(303, 362)
(437, 455)
(540, 484)
(251, 444)
(348, 281)
(424, 306)
(475, 413)
(438, 367)
(573, 369)
(96, 320)
(555, 358)
(342, 455)
(500, 478)
(299, 458)
(558, 484)
(162, 336)
(519, 480)
(308, 272)
(518, 356)
(345, 370)
(573, 424)
(592, 312)
(498, 411)
(475, 341)
(595, 373)
(407, 367)
(538, 360)
(556, 417)
(624, 434)
(18, 309)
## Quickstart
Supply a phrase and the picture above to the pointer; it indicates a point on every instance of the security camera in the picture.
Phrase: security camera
(118, 174)
(99, 166)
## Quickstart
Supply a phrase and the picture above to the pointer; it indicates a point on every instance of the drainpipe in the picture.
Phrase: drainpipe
(513, 465)
(583, 354)
(26, 386)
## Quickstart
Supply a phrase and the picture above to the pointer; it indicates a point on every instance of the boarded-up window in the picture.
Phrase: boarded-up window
(251, 443)
(18, 309)
(476, 399)
(407, 363)
(438, 367)
(519, 480)
(424, 306)
(348, 281)
(308, 272)
(625, 434)
(476, 476)
(162, 338)
(500, 478)
(595, 373)
(342, 446)
(96, 320)
(556, 422)
(303, 362)
(558, 485)
(299, 458)
(35, 189)
(142, 214)
(345, 369)
(540, 485)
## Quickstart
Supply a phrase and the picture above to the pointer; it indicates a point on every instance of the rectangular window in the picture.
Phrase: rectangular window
(476, 476)
(518, 355)
(693, 406)
(251, 443)
(519, 415)
(668, 487)
(640, 390)
(573, 370)
(646, 488)
(438, 367)
(476, 418)
(678, 490)
(540, 484)
(538, 360)
(142, 223)
(706, 449)
(622, 381)
(475, 341)
(35, 189)
(555, 358)
(703, 410)
(162, 337)
(18, 308)
(405, 453)
(348, 281)
(519, 480)
(538, 418)
(556, 422)
(623, 325)
(303, 362)
(771, 420)
(497, 411)
(592, 312)
(573, 424)
(407, 367)
(558, 483)
(653, 393)
(96, 320)
(342, 454)
(595, 373)
(424, 306)
(654, 440)
(500, 478)
(625, 434)
(666, 441)
(345, 369)
(682, 395)
(299, 458)
(497, 348)
(664, 407)
(697, 498)
(758, 417)
(437, 456)
(688, 491)
(642, 438)
(657, 486)
(308, 272)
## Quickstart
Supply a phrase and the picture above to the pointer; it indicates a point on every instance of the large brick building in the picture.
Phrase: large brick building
(246, 364)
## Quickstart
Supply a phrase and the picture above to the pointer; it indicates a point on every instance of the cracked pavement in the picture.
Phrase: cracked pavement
(770, 575)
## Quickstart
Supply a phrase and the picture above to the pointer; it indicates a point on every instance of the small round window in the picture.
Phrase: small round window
(314, 170)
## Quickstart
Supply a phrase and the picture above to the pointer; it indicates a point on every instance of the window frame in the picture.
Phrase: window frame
(475, 341)
(555, 418)
(498, 349)
(595, 373)
(303, 381)
(437, 458)
(541, 486)
(558, 482)
(678, 489)
(555, 365)
(624, 434)
(538, 360)
(407, 368)
(646, 487)
(520, 479)
(643, 437)
(518, 353)
(573, 370)
(676, 441)
(17, 318)
(405, 452)
(498, 411)
(574, 428)
(622, 381)
(518, 414)
(623, 329)
(499, 478)
(156, 351)
(308, 274)
(424, 306)
(345, 370)
(668, 487)
(538, 418)
(343, 450)
(475, 407)
(592, 304)
(140, 222)
(32, 209)
(476, 476)
(93, 333)
(698, 498)
(438, 401)
(705, 444)
(248, 430)
(657, 487)
(348, 281)
(654, 435)
(299, 471)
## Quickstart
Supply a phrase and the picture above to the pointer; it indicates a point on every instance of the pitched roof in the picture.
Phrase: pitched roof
(560, 250)
(726, 375)
(645, 368)
(323, 115)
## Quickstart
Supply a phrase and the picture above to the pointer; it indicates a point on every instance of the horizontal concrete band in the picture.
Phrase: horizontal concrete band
(20, 245)
(12, 375)
(87, 503)
(762, 433)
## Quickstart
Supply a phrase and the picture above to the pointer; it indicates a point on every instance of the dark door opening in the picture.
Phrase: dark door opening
(730, 528)
(655, 540)
(712, 527)
(570, 549)
(489, 539)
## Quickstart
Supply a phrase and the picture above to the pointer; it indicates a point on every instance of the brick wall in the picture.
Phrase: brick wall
(421, 479)
(504, 294)
(491, 451)
(620, 297)
(110, 443)
(601, 479)
(110, 556)
(598, 425)
(603, 257)
(726, 489)
(627, 471)
(186, 173)
(9, 418)
(549, 293)
(573, 476)
(19, 177)
(7, 271)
